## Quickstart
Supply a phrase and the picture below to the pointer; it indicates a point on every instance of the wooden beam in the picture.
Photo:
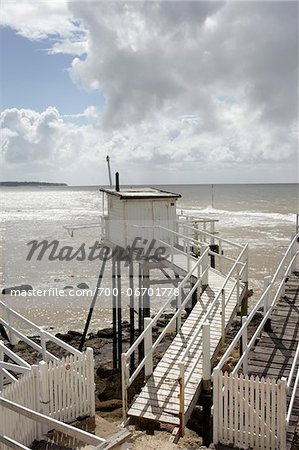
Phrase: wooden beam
(81, 435)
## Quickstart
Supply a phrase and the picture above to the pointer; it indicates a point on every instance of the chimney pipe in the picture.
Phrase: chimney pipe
(117, 182)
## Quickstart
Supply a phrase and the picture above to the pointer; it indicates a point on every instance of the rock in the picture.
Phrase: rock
(83, 286)
(109, 405)
(112, 389)
(68, 287)
(106, 333)
(21, 288)
(64, 337)
(105, 372)
(74, 333)
(195, 421)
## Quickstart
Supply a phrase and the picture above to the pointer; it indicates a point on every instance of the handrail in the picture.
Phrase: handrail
(44, 335)
(240, 264)
(260, 303)
(266, 316)
(128, 380)
(213, 236)
(163, 308)
(198, 219)
(296, 384)
(207, 314)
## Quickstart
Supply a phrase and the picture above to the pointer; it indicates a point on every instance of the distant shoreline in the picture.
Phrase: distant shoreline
(29, 183)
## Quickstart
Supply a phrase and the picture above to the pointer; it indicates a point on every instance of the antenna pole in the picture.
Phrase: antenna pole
(212, 196)
(109, 170)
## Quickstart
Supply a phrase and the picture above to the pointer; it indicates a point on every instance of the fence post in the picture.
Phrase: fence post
(206, 384)
(179, 318)
(295, 247)
(220, 255)
(44, 392)
(43, 345)
(181, 381)
(205, 266)
(267, 301)
(148, 345)
(244, 276)
(196, 238)
(223, 315)
(212, 231)
(244, 342)
(244, 279)
(1, 370)
(90, 380)
(282, 411)
(10, 333)
(124, 385)
(216, 431)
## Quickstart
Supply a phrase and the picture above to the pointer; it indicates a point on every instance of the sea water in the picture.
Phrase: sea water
(263, 215)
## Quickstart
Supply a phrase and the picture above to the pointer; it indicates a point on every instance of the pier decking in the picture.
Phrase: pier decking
(274, 354)
(159, 399)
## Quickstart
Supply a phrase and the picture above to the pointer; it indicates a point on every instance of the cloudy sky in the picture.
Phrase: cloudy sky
(174, 92)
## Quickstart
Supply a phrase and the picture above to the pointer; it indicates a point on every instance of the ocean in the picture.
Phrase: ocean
(264, 215)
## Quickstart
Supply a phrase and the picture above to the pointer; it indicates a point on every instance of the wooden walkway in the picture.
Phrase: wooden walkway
(274, 353)
(159, 400)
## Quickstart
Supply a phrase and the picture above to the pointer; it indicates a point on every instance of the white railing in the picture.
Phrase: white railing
(200, 269)
(292, 388)
(238, 273)
(200, 224)
(13, 316)
(62, 390)
(71, 229)
(274, 288)
(249, 412)
(273, 291)
(6, 368)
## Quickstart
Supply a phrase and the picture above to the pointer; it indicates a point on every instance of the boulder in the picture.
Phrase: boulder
(21, 288)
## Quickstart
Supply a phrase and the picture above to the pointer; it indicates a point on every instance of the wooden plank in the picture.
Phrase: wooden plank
(160, 394)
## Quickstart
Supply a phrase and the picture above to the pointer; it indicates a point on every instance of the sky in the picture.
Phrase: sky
(175, 92)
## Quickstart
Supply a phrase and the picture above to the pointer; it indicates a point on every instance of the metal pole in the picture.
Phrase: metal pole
(132, 313)
(114, 315)
(119, 311)
(109, 170)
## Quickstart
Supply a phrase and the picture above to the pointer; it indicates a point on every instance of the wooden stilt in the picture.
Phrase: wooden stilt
(114, 313)
(92, 305)
(140, 314)
(145, 284)
(132, 313)
(119, 312)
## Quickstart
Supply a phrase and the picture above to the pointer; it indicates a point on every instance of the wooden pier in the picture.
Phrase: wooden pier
(275, 352)
(159, 399)
(263, 386)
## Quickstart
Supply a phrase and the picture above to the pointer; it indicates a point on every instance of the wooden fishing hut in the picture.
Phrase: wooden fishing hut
(136, 222)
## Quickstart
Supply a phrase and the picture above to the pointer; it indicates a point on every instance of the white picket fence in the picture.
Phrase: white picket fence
(251, 411)
(63, 390)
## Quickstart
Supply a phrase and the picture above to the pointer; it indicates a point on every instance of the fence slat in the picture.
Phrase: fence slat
(249, 412)
(49, 388)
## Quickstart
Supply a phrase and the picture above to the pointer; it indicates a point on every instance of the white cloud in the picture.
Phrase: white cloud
(38, 20)
(194, 82)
